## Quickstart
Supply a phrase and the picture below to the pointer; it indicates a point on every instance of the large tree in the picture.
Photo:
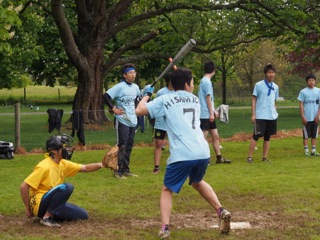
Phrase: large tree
(99, 35)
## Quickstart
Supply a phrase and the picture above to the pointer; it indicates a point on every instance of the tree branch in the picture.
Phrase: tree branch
(130, 46)
(66, 35)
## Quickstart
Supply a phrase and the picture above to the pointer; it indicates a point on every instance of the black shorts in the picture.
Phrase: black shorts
(206, 125)
(310, 130)
(159, 134)
(265, 127)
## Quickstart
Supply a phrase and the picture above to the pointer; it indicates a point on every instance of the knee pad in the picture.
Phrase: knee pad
(255, 137)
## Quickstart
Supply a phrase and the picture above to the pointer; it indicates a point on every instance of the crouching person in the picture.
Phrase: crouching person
(44, 192)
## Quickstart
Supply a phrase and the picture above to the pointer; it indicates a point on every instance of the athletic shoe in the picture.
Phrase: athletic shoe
(315, 153)
(164, 234)
(307, 154)
(249, 160)
(119, 175)
(224, 221)
(129, 174)
(49, 222)
(223, 160)
(156, 170)
(264, 159)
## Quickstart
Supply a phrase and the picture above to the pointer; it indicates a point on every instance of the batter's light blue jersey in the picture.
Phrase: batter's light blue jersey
(181, 110)
(205, 89)
(125, 95)
(265, 106)
(160, 122)
(310, 98)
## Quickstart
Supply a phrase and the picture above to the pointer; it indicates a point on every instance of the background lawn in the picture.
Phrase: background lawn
(280, 200)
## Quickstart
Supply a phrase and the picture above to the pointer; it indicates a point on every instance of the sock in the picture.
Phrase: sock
(165, 227)
(306, 149)
(313, 148)
(219, 211)
(218, 157)
(156, 166)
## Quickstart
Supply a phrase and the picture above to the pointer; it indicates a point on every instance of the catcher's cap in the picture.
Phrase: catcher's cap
(58, 141)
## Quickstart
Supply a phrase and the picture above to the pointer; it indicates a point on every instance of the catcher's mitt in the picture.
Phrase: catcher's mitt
(110, 159)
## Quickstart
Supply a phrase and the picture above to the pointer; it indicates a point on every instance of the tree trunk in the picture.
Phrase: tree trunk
(224, 87)
(88, 97)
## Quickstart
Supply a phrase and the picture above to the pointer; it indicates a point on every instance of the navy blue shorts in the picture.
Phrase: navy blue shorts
(265, 127)
(310, 130)
(177, 173)
(206, 125)
(159, 134)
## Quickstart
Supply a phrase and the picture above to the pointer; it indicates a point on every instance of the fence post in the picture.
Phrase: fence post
(17, 126)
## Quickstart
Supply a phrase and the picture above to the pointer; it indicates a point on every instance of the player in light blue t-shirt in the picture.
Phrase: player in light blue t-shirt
(189, 150)
(160, 131)
(309, 98)
(208, 114)
(126, 94)
(264, 112)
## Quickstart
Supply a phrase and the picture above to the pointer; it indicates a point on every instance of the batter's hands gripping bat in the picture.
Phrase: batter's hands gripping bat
(183, 51)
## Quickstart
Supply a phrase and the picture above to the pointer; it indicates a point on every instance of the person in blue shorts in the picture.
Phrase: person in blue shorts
(159, 132)
(264, 112)
(309, 98)
(189, 150)
(126, 94)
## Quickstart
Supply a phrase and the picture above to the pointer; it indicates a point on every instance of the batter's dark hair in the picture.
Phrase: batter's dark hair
(209, 67)
(180, 77)
(167, 78)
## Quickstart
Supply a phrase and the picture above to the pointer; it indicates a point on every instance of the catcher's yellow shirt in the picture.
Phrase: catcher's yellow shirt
(45, 176)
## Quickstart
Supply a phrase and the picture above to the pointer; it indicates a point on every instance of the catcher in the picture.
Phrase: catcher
(44, 192)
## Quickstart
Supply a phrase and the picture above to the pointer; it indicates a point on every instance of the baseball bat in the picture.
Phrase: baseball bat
(183, 51)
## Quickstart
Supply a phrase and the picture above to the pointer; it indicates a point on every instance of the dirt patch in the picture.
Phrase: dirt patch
(96, 226)
(241, 136)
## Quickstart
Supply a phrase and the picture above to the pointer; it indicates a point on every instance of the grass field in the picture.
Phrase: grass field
(280, 200)
(34, 125)
(38, 94)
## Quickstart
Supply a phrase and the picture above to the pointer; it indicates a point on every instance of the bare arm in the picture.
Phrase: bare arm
(24, 192)
(91, 167)
(141, 109)
(253, 109)
(303, 118)
(316, 119)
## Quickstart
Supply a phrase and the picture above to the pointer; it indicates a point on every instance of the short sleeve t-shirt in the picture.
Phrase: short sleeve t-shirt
(181, 110)
(310, 98)
(160, 122)
(265, 106)
(125, 95)
(205, 89)
(46, 175)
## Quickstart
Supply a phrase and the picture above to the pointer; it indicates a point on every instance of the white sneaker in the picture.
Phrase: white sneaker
(49, 222)
(224, 223)
(164, 234)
